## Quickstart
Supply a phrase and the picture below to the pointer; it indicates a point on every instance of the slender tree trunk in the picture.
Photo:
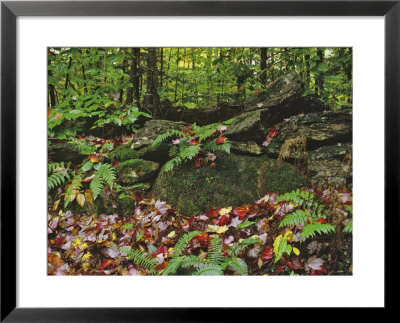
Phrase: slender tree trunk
(320, 77)
(176, 77)
(263, 66)
(307, 61)
(51, 87)
(134, 78)
(152, 83)
(161, 65)
(67, 76)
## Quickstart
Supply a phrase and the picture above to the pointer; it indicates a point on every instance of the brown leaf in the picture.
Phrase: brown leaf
(58, 116)
(80, 198)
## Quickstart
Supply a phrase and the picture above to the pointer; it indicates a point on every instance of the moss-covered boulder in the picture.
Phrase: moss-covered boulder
(251, 125)
(126, 205)
(237, 179)
(151, 130)
(135, 171)
(159, 153)
(125, 152)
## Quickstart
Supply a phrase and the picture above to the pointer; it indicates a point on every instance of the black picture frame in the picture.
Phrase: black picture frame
(10, 10)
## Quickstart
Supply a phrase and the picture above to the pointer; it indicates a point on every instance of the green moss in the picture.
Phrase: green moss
(135, 171)
(236, 180)
(125, 152)
(126, 205)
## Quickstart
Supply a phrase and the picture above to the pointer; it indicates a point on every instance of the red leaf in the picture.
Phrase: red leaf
(106, 263)
(211, 213)
(162, 250)
(213, 165)
(203, 239)
(59, 240)
(278, 271)
(137, 197)
(221, 140)
(321, 220)
(193, 142)
(225, 219)
(240, 211)
(256, 92)
(198, 162)
(267, 254)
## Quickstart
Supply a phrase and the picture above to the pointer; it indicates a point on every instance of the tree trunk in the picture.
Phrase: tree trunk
(134, 79)
(152, 97)
(67, 77)
(320, 78)
(263, 66)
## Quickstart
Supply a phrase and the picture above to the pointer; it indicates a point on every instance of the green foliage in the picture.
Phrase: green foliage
(183, 241)
(348, 228)
(210, 269)
(170, 133)
(103, 175)
(305, 207)
(57, 175)
(311, 229)
(140, 258)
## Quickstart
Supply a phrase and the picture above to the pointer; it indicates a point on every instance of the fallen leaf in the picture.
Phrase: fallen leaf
(80, 198)
(107, 263)
(220, 140)
(225, 210)
(267, 254)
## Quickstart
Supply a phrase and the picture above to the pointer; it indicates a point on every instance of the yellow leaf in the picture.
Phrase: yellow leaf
(212, 228)
(76, 242)
(222, 229)
(260, 263)
(88, 196)
(289, 236)
(94, 159)
(80, 198)
(60, 212)
(276, 243)
(55, 205)
(225, 210)
(171, 234)
(73, 195)
(296, 251)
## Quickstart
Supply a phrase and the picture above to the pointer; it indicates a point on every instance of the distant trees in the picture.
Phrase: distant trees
(193, 77)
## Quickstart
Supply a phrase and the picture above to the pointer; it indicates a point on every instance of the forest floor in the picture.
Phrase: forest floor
(91, 244)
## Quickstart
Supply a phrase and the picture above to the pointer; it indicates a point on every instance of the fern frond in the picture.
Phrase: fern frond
(107, 174)
(142, 259)
(190, 261)
(173, 266)
(295, 218)
(57, 179)
(96, 185)
(183, 241)
(240, 266)
(173, 151)
(311, 229)
(214, 254)
(168, 134)
(348, 228)
(58, 174)
(209, 270)
(212, 146)
(238, 246)
(169, 165)
(189, 152)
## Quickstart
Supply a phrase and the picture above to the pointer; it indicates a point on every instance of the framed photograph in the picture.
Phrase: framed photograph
(196, 138)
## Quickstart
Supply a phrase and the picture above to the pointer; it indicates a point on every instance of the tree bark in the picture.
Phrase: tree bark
(134, 79)
(263, 66)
